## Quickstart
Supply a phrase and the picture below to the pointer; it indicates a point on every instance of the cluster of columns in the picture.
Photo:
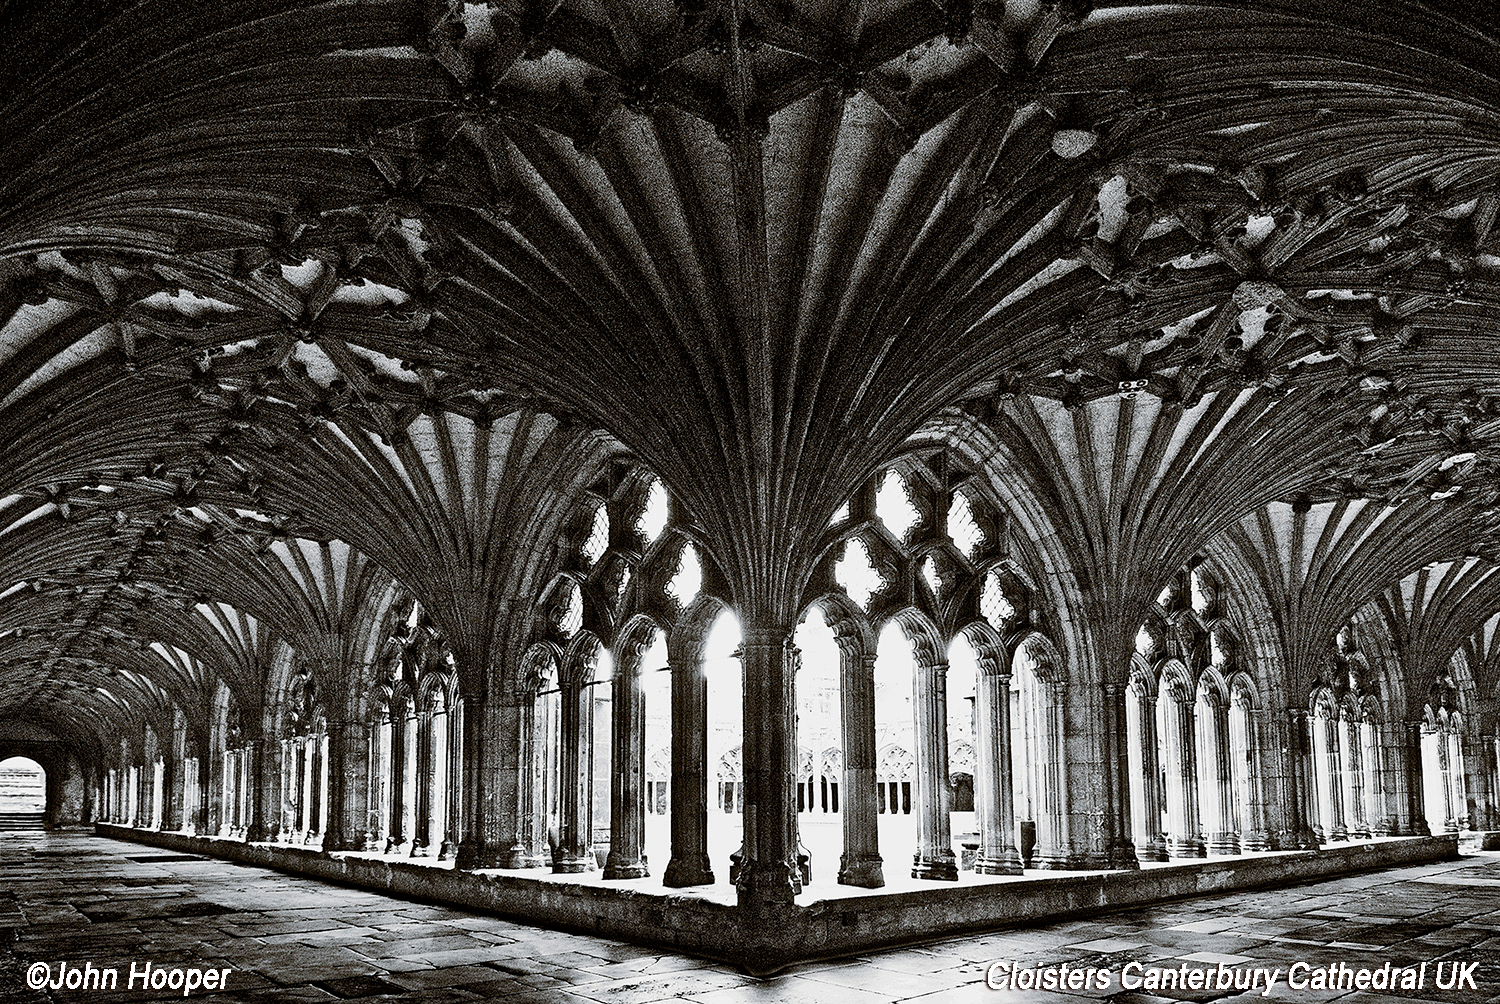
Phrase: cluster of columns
(304, 787)
(471, 781)
(411, 756)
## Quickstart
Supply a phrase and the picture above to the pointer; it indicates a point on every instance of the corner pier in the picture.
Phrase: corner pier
(830, 923)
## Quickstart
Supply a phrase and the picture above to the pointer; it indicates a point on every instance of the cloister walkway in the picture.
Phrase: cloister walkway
(80, 899)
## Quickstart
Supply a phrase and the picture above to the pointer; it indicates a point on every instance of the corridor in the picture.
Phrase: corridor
(77, 899)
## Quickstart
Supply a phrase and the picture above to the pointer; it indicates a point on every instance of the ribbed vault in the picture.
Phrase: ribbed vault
(311, 309)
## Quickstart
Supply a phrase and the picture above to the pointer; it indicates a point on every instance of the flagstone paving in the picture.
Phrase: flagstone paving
(79, 899)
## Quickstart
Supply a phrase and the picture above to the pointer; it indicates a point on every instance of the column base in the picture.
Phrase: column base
(1224, 843)
(1183, 847)
(445, 850)
(1338, 833)
(1256, 840)
(767, 883)
(618, 866)
(683, 872)
(520, 856)
(867, 871)
(939, 867)
(1155, 850)
(469, 855)
(1122, 857)
(420, 849)
(571, 863)
(1006, 862)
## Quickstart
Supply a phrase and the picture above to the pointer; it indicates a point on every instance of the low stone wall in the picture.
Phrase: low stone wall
(822, 928)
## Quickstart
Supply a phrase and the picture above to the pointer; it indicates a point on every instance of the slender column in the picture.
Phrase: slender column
(1054, 837)
(1354, 778)
(1245, 747)
(171, 789)
(1458, 798)
(861, 864)
(1182, 802)
(228, 800)
(255, 781)
(397, 835)
(1120, 850)
(1326, 748)
(203, 823)
(769, 877)
(437, 784)
(421, 798)
(627, 817)
(993, 795)
(142, 814)
(411, 781)
(934, 858)
(340, 804)
(1414, 778)
(689, 864)
(1372, 759)
(453, 771)
(575, 837)
(307, 764)
(1145, 767)
(1226, 836)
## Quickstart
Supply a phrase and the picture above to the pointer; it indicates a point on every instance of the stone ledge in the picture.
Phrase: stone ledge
(820, 928)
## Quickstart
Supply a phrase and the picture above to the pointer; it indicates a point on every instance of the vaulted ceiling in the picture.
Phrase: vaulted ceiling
(408, 274)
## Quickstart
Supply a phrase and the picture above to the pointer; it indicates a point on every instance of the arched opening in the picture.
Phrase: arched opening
(656, 691)
(23, 794)
(820, 745)
(726, 711)
(895, 765)
(963, 676)
(1030, 747)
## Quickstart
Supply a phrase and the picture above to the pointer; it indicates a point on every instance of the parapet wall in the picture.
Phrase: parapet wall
(821, 928)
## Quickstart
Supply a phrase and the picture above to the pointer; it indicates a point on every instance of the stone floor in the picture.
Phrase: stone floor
(78, 899)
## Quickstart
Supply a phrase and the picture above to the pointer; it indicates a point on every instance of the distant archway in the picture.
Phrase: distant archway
(23, 793)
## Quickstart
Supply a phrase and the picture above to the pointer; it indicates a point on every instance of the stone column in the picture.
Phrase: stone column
(1054, 834)
(934, 857)
(437, 783)
(307, 769)
(411, 780)
(203, 822)
(477, 844)
(1458, 797)
(627, 789)
(256, 782)
(689, 789)
(1350, 756)
(769, 876)
(575, 837)
(515, 738)
(1183, 839)
(1410, 778)
(1120, 849)
(340, 809)
(1141, 760)
(454, 788)
(1372, 759)
(1225, 839)
(171, 790)
(421, 798)
(993, 795)
(397, 836)
(861, 864)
